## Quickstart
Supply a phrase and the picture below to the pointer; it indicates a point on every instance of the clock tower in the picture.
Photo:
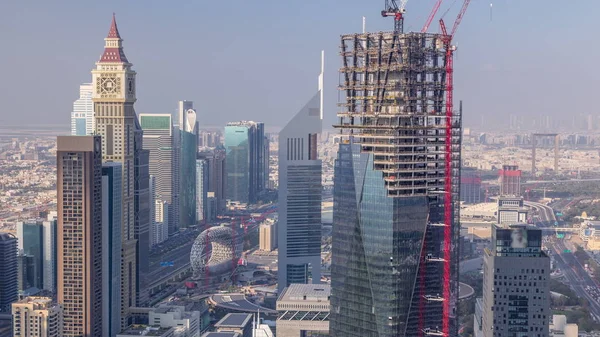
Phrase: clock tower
(113, 95)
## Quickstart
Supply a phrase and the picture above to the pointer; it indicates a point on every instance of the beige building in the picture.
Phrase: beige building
(79, 234)
(37, 317)
(303, 308)
(116, 121)
(560, 328)
(268, 235)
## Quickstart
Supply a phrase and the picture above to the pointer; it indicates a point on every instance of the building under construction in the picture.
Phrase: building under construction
(397, 176)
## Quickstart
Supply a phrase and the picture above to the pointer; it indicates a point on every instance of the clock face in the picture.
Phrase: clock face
(107, 85)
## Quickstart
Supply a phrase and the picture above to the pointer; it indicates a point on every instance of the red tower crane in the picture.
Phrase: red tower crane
(436, 7)
(448, 209)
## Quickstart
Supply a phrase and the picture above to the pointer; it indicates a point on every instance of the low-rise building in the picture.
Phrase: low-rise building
(176, 316)
(37, 317)
(222, 334)
(302, 308)
(560, 328)
(148, 331)
(240, 323)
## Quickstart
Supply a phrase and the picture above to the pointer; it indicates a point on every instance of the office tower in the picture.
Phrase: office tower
(299, 227)
(8, 271)
(217, 176)
(267, 235)
(397, 173)
(211, 206)
(152, 185)
(141, 204)
(244, 146)
(37, 252)
(37, 317)
(49, 253)
(201, 188)
(265, 168)
(470, 186)
(82, 116)
(188, 146)
(158, 139)
(114, 97)
(30, 237)
(516, 277)
(161, 224)
(511, 210)
(27, 272)
(112, 191)
(510, 180)
(303, 308)
(79, 253)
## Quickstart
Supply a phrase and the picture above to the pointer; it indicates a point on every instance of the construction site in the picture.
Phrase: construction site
(399, 159)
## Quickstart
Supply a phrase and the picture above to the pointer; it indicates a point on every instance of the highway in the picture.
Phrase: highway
(575, 274)
(546, 213)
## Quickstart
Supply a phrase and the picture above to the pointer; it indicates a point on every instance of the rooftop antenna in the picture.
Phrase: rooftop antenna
(364, 24)
(491, 7)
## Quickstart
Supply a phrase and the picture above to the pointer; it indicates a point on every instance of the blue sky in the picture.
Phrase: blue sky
(259, 59)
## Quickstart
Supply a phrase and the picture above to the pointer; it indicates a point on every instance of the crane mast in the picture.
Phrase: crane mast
(392, 9)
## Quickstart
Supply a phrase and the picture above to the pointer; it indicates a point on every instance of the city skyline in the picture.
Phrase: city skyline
(483, 64)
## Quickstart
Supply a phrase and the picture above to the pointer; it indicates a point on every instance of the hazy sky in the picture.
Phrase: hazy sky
(259, 59)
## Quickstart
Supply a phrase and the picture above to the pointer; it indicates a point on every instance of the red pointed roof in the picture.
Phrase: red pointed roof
(113, 32)
(113, 53)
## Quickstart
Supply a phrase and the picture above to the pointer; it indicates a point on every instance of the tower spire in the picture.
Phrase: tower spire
(113, 45)
(113, 32)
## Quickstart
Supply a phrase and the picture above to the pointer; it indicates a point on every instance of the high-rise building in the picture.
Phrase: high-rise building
(112, 191)
(516, 278)
(188, 149)
(396, 190)
(511, 210)
(158, 139)
(267, 235)
(114, 96)
(244, 145)
(82, 116)
(27, 272)
(299, 227)
(201, 188)
(161, 223)
(217, 176)
(79, 244)
(141, 206)
(37, 317)
(37, 242)
(8, 271)
(30, 236)
(470, 186)
(510, 180)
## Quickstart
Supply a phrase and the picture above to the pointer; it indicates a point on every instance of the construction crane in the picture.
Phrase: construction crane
(448, 209)
(392, 9)
(436, 7)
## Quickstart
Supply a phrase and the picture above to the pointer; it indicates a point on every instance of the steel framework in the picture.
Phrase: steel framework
(213, 252)
(398, 107)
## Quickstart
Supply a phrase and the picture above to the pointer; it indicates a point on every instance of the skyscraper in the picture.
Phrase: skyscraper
(141, 205)
(37, 240)
(395, 211)
(510, 180)
(161, 216)
(299, 227)
(37, 317)
(217, 176)
(188, 147)
(516, 278)
(82, 116)
(114, 97)
(8, 271)
(30, 236)
(244, 145)
(201, 188)
(112, 191)
(158, 139)
(79, 256)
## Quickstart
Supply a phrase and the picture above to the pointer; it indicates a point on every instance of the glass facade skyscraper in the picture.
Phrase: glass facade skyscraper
(188, 149)
(397, 175)
(201, 188)
(37, 241)
(245, 161)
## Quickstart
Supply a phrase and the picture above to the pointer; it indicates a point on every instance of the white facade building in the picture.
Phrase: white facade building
(176, 317)
(37, 317)
(160, 226)
(82, 116)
